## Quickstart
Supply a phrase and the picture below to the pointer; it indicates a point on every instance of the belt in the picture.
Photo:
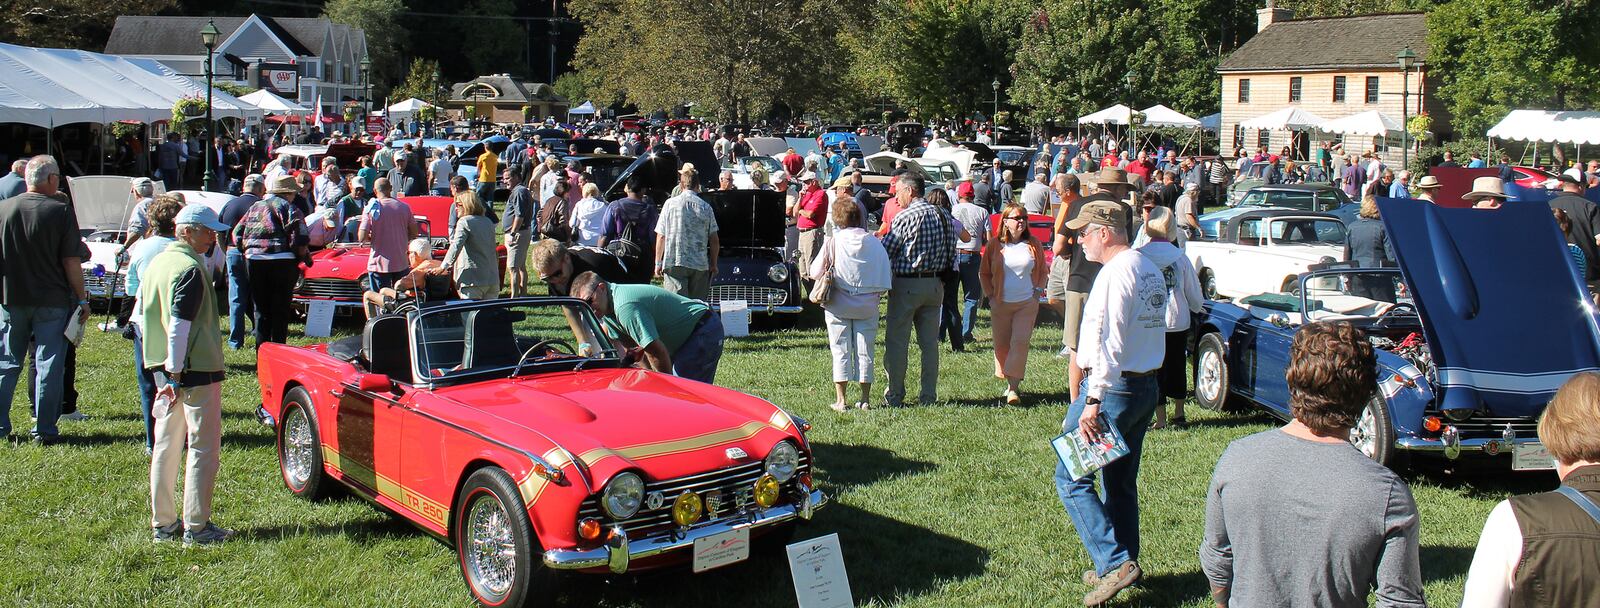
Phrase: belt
(916, 275)
(1088, 371)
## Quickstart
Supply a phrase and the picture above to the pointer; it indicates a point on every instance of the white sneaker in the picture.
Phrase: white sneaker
(107, 325)
(76, 416)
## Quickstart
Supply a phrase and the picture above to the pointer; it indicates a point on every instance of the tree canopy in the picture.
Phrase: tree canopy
(1492, 57)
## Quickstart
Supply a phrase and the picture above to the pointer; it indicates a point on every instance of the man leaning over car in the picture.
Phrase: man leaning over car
(673, 333)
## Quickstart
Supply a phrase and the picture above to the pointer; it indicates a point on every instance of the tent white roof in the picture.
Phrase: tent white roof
(410, 105)
(1114, 115)
(1162, 116)
(1570, 127)
(272, 103)
(1211, 121)
(585, 108)
(1370, 123)
(1287, 119)
(49, 87)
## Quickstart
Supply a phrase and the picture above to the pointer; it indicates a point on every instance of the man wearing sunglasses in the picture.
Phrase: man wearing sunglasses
(557, 263)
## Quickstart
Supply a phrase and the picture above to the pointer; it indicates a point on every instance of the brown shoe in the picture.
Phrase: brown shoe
(1090, 578)
(1121, 578)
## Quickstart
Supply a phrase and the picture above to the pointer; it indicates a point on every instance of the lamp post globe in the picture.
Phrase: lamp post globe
(208, 38)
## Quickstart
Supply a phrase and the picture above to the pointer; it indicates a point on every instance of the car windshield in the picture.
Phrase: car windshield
(1292, 199)
(771, 164)
(1355, 294)
(604, 172)
(491, 338)
(1307, 231)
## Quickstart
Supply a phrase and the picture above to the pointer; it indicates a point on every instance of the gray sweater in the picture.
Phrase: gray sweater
(1293, 522)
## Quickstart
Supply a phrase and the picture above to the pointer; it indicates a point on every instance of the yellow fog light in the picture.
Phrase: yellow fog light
(767, 491)
(687, 509)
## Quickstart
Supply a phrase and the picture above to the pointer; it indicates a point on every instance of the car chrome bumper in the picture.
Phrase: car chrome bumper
(619, 550)
(790, 310)
(1452, 445)
(265, 417)
(336, 303)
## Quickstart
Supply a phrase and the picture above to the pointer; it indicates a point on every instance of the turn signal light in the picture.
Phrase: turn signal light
(1432, 423)
(767, 491)
(687, 509)
(589, 529)
(805, 481)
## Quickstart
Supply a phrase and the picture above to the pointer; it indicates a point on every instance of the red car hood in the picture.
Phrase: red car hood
(349, 263)
(613, 419)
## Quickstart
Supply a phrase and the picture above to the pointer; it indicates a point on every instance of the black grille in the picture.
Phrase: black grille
(337, 289)
(752, 295)
(736, 484)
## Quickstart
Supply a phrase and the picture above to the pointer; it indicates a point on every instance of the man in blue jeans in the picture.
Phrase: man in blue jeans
(239, 308)
(1121, 344)
(969, 253)
(41, 287)
(673, 334)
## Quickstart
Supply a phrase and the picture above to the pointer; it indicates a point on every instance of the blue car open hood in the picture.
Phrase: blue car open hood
(1507, 320)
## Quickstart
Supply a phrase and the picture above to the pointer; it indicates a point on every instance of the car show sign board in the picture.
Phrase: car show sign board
(319, 319)
(735, 318)
(819, 577)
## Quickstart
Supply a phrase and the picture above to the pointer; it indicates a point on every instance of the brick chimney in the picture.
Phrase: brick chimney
(1272, 14)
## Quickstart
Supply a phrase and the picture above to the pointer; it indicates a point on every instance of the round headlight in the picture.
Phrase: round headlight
(766, 491)
(622, 496)
(686, 509)
(778, 272)
(783, 461)
(1459, 415)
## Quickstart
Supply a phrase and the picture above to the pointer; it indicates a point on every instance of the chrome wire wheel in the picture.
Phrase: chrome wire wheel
(490, 551)
(1365, 434)
(1209, 382)
(298, 449)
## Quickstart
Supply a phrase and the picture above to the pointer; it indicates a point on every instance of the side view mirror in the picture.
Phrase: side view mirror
(374, 383)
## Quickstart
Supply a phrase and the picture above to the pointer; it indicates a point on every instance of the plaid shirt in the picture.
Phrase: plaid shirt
(271, 226)
(920, 240)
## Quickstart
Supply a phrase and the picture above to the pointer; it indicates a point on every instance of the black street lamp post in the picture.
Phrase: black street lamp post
(996, 86)
(1406, 57)
(366, 90)
(208, 37)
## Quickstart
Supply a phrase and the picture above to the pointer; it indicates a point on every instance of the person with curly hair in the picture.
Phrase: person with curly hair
(1297, 516)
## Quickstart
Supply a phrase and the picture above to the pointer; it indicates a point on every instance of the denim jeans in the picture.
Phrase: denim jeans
(698, 356)
(239, 308)
(971, 291)
(147, 387)
(1109, 526)
(46, 326)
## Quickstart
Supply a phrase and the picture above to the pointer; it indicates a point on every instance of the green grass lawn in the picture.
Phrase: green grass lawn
(946, 505)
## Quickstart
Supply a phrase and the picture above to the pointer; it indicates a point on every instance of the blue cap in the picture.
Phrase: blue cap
(200, 215)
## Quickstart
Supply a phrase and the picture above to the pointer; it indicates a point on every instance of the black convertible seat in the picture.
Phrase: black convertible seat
(491, 341)
(385, 346)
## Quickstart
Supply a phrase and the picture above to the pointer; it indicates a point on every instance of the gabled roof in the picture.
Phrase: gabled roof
(1365, 41)
(511, 89)
(162, 35)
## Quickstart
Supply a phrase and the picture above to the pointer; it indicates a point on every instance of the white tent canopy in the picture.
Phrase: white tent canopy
(404, 110)
(1115, 115)
(586, 108)
(1162, 116)
(50, 87)
(271, 103)
(1570, 127)
(1287, 119)
(1370, 123)
(1211, 121)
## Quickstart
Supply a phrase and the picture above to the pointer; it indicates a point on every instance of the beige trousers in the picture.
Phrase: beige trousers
(195, 416)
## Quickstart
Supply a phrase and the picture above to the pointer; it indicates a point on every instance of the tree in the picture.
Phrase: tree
(940, 56)
(1492, 57)
(734, 58)
(576, 87)
(422, 82)
(73, 24)
(380, 20)
(488, 45)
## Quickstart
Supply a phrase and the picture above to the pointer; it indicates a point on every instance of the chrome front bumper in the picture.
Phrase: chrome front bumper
(791, 310)
(619, 550)
(1452, 445)
(336, 303)
(265, 418)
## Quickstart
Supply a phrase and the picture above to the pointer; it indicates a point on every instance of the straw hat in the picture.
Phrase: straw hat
(1487, 187)
(283, 184)
(1428, 182)
(1109, 176)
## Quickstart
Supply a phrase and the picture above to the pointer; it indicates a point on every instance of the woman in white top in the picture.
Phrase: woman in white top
(1183, 298)
(586, 216)
(1013, 274)
(861, 276)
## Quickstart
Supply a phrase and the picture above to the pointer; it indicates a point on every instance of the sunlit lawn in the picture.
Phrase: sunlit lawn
(947, 505)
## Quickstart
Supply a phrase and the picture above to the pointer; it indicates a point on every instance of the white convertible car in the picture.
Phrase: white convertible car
(1264, 251)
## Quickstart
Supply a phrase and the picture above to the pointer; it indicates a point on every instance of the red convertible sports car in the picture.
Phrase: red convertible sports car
(512, 430)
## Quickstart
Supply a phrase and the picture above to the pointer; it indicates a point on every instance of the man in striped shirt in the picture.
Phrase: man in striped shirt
(922, 244)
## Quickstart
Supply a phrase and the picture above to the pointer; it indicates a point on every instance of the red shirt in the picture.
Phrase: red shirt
(1140, 168)
(813, 208)
(794, 164)
(891, 208)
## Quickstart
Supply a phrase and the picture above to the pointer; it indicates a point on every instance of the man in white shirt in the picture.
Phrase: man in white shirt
(439, 173)
(1120, 347)
(329, 184)
(1036, 195)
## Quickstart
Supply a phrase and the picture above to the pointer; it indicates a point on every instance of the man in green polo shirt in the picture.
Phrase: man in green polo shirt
(183, 347)
(678, 335)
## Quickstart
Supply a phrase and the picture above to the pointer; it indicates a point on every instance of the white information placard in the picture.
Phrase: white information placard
(819, 577)
(319, 318)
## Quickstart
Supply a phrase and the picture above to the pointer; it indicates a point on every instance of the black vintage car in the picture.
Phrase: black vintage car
(751, 265)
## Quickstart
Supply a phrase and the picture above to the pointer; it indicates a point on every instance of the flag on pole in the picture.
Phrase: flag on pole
(316, 119)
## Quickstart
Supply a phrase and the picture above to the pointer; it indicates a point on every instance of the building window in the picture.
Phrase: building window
(1338, 89)
(1238, 136)
(1244, 90)
(1372, 89)
(1264, 139)
(1294, 89)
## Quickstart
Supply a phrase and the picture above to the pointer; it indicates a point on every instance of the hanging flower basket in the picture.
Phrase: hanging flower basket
(189, 107)
(351, 111)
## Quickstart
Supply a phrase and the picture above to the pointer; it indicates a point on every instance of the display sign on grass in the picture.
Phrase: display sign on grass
(820, 580)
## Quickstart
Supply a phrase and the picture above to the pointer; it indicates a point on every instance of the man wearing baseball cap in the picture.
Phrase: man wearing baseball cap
(969, 254)
(809, 215)
(1121, 344)
(183, 348)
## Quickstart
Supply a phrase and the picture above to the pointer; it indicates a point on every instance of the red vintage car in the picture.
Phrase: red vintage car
(513, 430)
(1042, 227)
(339, 272)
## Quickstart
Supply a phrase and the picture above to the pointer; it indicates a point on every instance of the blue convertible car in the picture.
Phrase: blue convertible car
(1474, 333)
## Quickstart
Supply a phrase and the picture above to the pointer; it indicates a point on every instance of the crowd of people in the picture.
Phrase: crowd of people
(1118, 279)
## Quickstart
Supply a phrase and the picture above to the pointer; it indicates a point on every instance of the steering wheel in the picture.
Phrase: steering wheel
(1383, 319)
(545, 344)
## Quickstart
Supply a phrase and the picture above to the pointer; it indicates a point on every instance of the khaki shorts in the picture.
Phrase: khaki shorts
(1072, 318)
(517, 246)
(1056, 288)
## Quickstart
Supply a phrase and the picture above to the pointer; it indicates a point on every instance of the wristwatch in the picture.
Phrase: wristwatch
(1091, 401)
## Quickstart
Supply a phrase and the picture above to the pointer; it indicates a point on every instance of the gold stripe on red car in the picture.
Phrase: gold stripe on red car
(429, 509)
